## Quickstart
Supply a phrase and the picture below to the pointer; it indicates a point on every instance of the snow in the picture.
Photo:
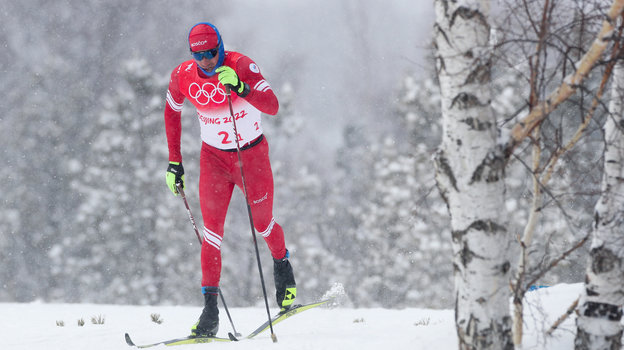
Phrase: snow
(33, 326)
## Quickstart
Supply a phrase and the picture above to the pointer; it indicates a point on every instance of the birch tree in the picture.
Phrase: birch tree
(530, 124)
(598, 322)
(469, 174)
(470, 162)
(559, 33)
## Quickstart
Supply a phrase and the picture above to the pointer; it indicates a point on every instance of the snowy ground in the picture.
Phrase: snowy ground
(34, 326)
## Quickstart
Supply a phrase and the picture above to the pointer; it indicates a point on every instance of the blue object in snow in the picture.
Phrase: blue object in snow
(534, 287)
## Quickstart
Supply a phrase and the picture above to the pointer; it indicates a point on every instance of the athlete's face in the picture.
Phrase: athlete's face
(207, 64)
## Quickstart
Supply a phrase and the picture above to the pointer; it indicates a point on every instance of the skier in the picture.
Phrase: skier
(202, 81)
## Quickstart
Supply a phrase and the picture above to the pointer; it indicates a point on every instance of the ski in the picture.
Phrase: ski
(296, 309)
(178, 341)
(281, 317)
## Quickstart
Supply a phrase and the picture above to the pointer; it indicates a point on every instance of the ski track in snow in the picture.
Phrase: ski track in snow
(33, 326)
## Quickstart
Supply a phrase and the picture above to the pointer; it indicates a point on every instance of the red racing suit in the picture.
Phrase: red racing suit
(219, 169)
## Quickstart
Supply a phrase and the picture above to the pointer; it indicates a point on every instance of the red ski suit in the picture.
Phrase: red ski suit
(219, 169)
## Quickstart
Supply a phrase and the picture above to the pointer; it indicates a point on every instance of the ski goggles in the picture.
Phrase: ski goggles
(209, 54)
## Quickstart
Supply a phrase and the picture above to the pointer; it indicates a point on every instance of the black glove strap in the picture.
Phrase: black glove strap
(176, 169)
(246, 90)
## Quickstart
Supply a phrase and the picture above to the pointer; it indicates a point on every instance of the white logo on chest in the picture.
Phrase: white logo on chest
(206, 92)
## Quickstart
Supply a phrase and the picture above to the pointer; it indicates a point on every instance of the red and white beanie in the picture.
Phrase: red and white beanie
(203, 37)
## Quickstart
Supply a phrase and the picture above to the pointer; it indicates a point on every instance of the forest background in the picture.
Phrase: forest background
(86, 216)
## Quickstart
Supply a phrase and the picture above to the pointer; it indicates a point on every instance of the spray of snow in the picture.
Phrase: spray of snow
(337, 294)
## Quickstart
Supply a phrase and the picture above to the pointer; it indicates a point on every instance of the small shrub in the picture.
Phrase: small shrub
(99, 319)
(423, 322)
(156, 318)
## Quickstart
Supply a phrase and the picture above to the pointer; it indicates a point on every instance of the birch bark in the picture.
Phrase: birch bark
(469, 173)
(598, 323)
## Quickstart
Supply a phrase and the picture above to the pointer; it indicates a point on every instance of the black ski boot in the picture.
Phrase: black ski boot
(285, 285)
(208, 324)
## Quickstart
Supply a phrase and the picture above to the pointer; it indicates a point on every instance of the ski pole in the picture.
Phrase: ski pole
(228, 93)
(227, 311)
(188, 210)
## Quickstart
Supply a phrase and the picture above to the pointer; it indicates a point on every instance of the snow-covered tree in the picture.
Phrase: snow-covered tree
(401, 232)
(130, 227)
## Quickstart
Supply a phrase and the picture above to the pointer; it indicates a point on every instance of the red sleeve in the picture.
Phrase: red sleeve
(260, 95)
(173, 117)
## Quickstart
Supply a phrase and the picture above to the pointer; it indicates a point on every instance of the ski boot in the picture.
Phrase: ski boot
(285, 285)
(208, 324)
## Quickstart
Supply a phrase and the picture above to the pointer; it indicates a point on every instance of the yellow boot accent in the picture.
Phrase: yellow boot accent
(289, 298)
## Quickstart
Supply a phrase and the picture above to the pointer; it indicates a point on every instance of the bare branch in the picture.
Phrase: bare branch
(563, 317)
(588, 117)
(522, 129)
(554, 262)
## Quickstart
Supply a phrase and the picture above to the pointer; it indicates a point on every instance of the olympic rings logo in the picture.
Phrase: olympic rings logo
(204, 95)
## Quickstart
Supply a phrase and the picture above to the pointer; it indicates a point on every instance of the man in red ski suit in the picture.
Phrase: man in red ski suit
(202, 81)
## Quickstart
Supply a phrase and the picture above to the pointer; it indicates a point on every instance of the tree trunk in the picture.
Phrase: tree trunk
(469, 174)
(598, 323)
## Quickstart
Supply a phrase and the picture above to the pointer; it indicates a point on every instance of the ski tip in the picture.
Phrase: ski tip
(232, 337)
(128, 340)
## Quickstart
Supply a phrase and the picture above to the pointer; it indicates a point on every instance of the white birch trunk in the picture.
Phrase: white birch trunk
(469, 173)
(527, 238)
(598, 323)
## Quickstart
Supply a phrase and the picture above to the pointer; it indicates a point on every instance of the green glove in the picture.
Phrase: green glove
(227, 76)
(175, 175)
